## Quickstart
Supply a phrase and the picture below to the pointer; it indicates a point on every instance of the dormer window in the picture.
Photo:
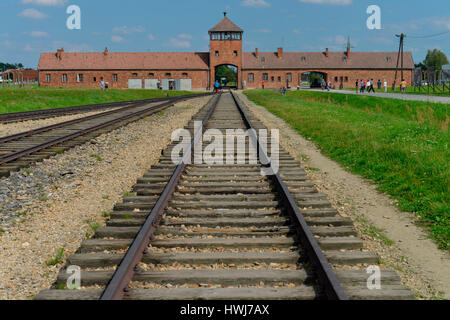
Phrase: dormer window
(389, 59)
(263, 59)
(303, 58)
(344, 59)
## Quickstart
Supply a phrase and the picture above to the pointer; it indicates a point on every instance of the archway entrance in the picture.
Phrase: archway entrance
(313, 79)
(227, 75)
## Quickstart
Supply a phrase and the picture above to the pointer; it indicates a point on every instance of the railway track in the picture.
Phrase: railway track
(58, 112)
(199, 232)
(23, 149)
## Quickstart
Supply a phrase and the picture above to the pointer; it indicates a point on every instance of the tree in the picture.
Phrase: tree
(228, 72)
(435, 59)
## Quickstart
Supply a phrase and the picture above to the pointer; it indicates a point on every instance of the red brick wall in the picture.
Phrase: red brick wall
(199, 78)
(352, 75)
(226, 50)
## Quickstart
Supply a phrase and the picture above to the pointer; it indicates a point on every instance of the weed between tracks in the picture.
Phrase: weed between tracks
(57, 259)
(402, 146)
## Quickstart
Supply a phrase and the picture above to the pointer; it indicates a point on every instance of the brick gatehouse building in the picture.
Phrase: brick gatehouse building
(151, 70)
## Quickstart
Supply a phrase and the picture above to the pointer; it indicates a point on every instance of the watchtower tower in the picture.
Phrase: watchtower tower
(226, 48)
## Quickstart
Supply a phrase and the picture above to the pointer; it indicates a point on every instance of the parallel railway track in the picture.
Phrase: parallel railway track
(58, 112)
(21, 150)
(197, 231)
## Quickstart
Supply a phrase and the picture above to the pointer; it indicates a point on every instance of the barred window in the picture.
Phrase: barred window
(79, 77)
(251, 77)
(48, 78)
(64, 77)
(115, 77)
(265, 76)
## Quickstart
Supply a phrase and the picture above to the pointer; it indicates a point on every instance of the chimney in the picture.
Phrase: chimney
(106, 51)
(348, 51)
(256, 52)
(280, 52)
(326, 52)
(59, 53)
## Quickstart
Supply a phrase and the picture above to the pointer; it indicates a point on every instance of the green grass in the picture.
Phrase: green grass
(57, 259)
(97, 157)
(410, 90)
(36, 98)
(93, 225)
(401, 146)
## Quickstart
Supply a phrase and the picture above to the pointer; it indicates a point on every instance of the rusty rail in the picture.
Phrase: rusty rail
(325, 273)
(22, 153)
(118, 284)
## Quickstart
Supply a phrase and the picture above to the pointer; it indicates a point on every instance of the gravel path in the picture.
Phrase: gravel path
(9, 129)
(67, 196)
(421, 265)
(408, 97)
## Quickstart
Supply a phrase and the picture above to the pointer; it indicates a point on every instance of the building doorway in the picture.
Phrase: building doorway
(227, 75)
(313, 79)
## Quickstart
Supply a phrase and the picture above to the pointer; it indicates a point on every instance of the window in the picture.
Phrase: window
(272, 78)
(265, 76)
(64, 77)
(168, 74)
(346, 79)
(251, 77)
(151, 74)
(217, 53)
(279, 79)
(236, 36)
(115, 77)
(335, 79)
(303, 58)
(344, 59)
(389, 59)
(185, 74)
(48, 78)
(95, 79)
(235, 53)
(79, 77)
(263, 59)
(135, 74)
(289, 77)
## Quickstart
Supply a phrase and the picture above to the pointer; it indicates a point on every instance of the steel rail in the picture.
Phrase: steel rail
(28, 115)
(17, 155)
(115, 290)
(326, 275)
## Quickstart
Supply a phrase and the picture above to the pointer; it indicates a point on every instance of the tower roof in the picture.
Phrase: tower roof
(226, 25)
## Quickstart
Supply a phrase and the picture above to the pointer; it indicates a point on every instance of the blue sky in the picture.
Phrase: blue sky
(35, 26)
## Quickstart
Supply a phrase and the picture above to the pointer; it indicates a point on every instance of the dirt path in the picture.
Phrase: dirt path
(421, 265)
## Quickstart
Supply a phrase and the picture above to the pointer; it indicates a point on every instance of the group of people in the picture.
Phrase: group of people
(363, 86)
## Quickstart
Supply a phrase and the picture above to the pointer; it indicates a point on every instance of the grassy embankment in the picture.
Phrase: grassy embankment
(402, 146)
(35, 98)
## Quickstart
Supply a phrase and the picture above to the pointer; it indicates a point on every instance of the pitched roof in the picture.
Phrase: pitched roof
(124, 60)
(318, 60)
(226, 25)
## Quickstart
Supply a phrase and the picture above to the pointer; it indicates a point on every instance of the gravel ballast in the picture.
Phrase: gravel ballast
(57, 203)
(384, 229)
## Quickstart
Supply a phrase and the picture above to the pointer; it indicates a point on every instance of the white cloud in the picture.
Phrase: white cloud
(32, 14)
(117, 39)
(179, 43)
(185, 36)
(256, 3)
(442, 23)
(38, 34)
(28, 48)
(128, 30)
(297, 31)
(7, 44)
(331, 2)
(151, 37)
(49, 3)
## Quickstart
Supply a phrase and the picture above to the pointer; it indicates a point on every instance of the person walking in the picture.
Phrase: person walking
(370, 85)
(357, 86)
(102, 84)
(385, 86)
(217, 86)
(329, 86)
(283, 91)
(263, 84)
(379, 85)
(363, 87)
